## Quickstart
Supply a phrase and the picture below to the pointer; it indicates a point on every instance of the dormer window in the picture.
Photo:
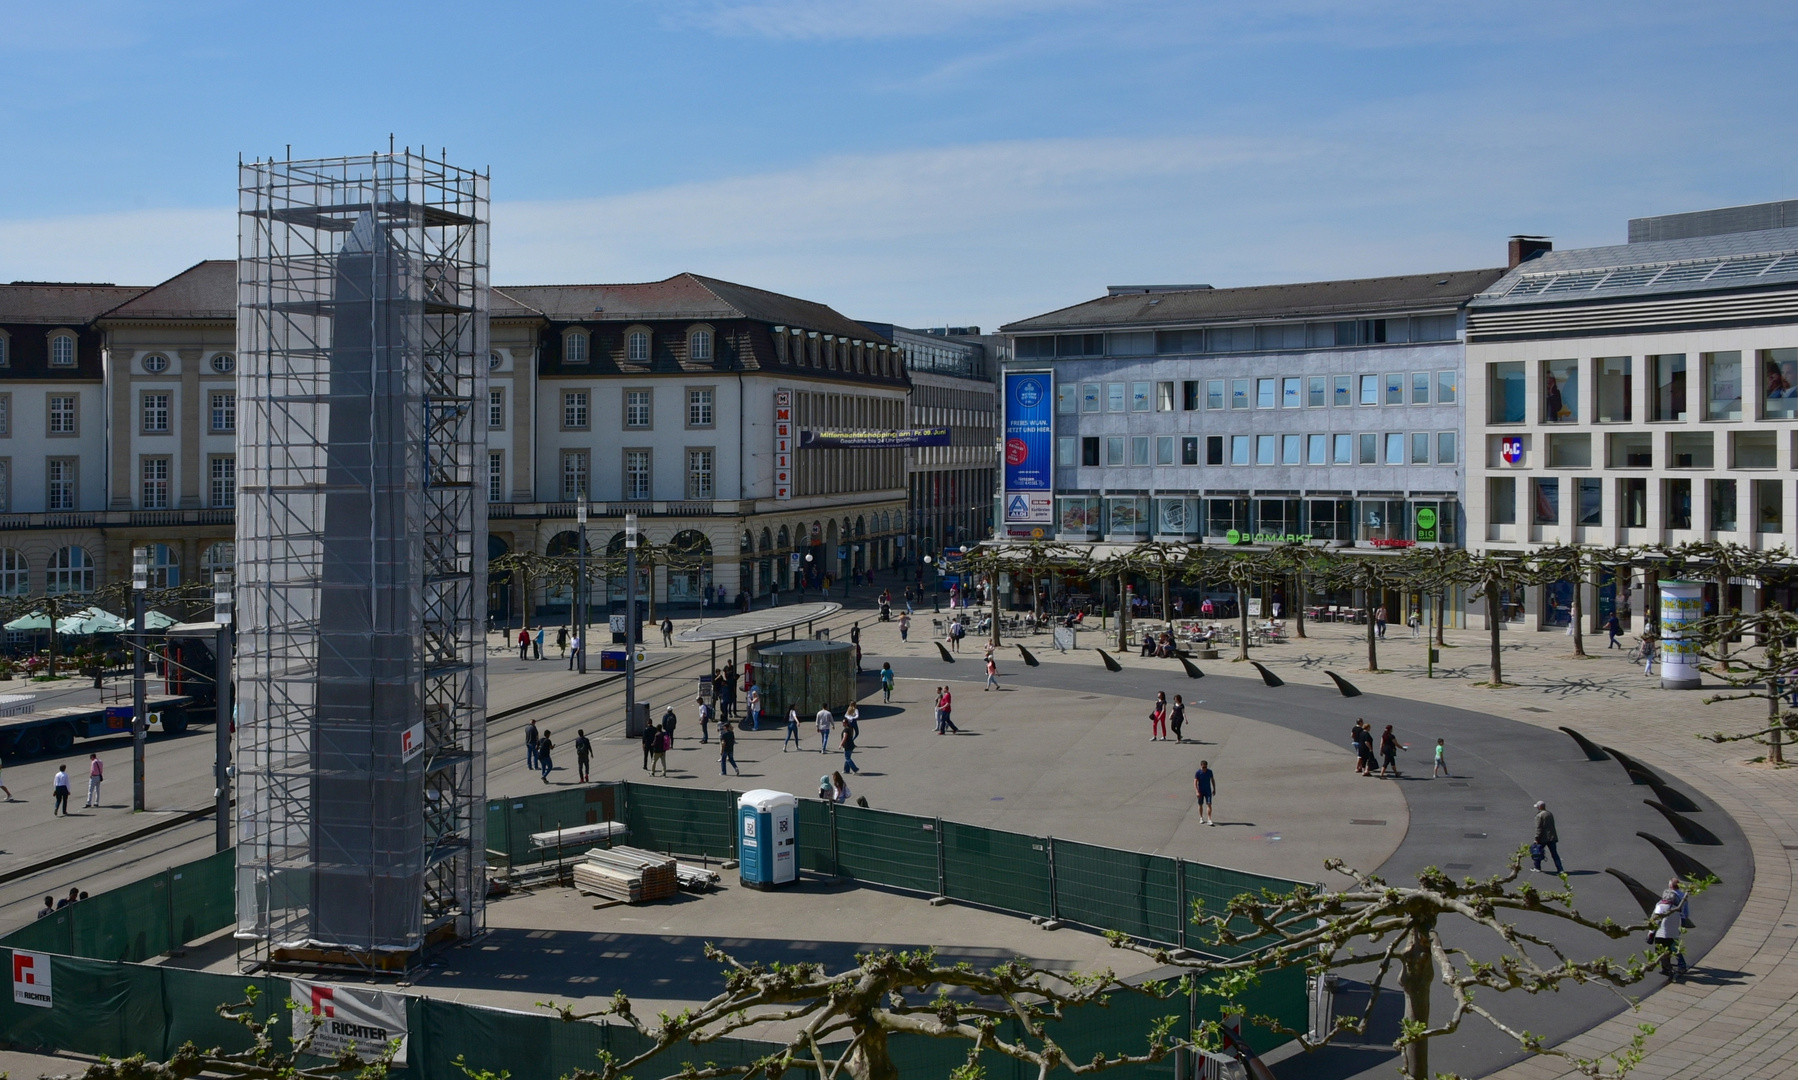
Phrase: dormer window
(5, 349)
(62, 349)
(699, 345)
(636, 347)
(574, 347)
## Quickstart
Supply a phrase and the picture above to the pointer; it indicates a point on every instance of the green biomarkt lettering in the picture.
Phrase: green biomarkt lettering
(1236, 537)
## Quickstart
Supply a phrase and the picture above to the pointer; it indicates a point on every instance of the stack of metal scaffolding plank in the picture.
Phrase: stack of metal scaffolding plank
(629, 874)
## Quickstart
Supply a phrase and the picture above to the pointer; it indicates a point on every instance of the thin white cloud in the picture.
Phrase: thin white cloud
(139, 247)
(835, 20)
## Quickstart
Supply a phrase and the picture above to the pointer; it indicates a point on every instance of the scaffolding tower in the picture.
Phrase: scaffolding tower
(362, 339)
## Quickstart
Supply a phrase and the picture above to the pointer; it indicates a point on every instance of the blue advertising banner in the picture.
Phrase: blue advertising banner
(1029, 446)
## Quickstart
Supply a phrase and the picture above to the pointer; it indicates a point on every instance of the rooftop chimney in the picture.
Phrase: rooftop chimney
(1525, 248)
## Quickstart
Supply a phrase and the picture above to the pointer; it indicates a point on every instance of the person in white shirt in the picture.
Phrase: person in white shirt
(60, 792)
(1673, 912)
(825, 719)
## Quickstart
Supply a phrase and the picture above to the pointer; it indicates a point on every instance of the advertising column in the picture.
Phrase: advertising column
(1029, 452)
(1682, 603)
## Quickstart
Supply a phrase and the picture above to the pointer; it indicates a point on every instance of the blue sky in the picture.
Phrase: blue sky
(922, 162)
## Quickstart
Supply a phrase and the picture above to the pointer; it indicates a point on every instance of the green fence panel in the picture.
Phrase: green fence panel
(100, 1008)
(1117, 890)
(681, 820)
(918, 1055)
(1209, 890)
(817, 848)
(884, 848)
(52, 934)
(203, 896)
(1120, 1025)
(1003, 870)
(510, 822)
(127, 923)
(1278, 992)
(192, 999)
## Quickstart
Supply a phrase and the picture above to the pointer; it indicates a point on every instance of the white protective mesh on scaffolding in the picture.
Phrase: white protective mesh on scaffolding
(361, 548)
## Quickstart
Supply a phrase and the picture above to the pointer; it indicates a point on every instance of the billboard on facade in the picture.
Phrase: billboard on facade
(835, 438)
(1029, 446)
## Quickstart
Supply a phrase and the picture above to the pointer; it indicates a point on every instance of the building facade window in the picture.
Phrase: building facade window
(156, 363)
(70, 571)
(637, 412)
(1616, 389)
(222, 481)
(1395, 388)
(221, 556)
(1264, 449)
(1089, 450)
(636, 474)
(1317, 392)
(1420, 448)
(1420, 388)
(1317, 449)
(1164, 449)
(1290, 446)
(1395, 448)
(1290, 393)
(636, 347)
(574, 410)
(1722, 385)
(5, 485)
(224, 411)
(5, 354)
(1139, 450)
(15, 573)
(1189, 450)
(1139, 397)
(5, 416)
(1089, 397)
(1114, 397)
(1367, 450)
(575, 345)
(1164, 397)
(60, 475)
(1446, 448)
(1342, 450)
(1214, 394)
(1214, 449)
(1591, 501)
(1667, 400)
(1067, 398)
(1342, 393)
(1370, 389)
(155, 411)
(1778, 383)
(1448, 385)
(1504, 395)
(1067, 452)
(1264, 393)
(496, 476)
(574, 476)
(699, 346)
(63, 414)
(224, 363)
(700, 407)
(496, 408)
(154, 486)
(1239, 393)
(62, 350)
(1114, 450)
(699, 474)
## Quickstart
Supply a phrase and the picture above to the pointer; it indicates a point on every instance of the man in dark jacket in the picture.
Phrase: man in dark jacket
(1547, 839)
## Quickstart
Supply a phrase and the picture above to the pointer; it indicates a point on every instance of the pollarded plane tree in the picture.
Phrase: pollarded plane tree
(1725, 563)
(1368, 575)
(1494, 576)
(1241, 570)
(1434, 572)
(1765, 670)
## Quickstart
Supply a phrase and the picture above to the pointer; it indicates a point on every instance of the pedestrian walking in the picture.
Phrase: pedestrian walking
(1613, 626)
(824, 720)
(648, 738)
(1204, 788)
(905, 620)
(96, 773)
(730, 691)
(537, 644)
(1388, 751)
(1158, 718)
(583, 752)
(947, 701)
(755, 707)
(1177, 718)
(848, 745)
(667, 632)
(524, 644)
(658, 752)
(886, 683)
(1414, 623)
(1441, 768)
(3, 786)
(1379, 623)
(792, 729)
(59, 792)
(543, 758)
(1547, 842)
(531, 735)
(1674, 912)
(992, 671)
(705, 719)
(727, 748)
(579, 648)
(562, 641)
(956, 632)
(669, 721)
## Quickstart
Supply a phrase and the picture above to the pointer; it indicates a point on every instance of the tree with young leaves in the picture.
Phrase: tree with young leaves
(1242, 570)
(1726, 562)
(1434, 572)
(1493, 576)
(1575, 564)
(1767, 670)
(1294, 563)
(1326, 930)
(1369, 576)
(531, 569)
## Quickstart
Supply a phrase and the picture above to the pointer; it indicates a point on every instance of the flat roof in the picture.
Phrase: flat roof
(756, 623)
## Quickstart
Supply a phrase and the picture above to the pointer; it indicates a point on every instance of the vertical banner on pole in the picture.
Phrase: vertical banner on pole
(1682, 604)
(1029, 447)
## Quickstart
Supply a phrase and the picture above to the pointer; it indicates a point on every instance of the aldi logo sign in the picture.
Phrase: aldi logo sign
(31, 979)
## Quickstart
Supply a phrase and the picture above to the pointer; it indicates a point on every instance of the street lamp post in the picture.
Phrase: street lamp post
(936, 591)
(580, 650)
(630, 619)
(140, 584)
(225, 712)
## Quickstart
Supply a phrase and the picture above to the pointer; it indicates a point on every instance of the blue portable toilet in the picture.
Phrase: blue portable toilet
(767, 838)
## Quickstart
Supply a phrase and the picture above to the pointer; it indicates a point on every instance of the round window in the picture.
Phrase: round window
(156, 363)
(493, 361)
(224, 363)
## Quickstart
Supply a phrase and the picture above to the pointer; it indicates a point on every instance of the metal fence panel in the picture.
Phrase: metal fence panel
(681, 820)
(1004, 870)
(101, 1008)
(127, 923)
(817, 843)
(1117, 890)
(203, 897)
(192, 998)
(881, 847)
(1209, 890)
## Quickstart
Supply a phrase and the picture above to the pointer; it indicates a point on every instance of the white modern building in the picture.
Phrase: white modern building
(1640, 393)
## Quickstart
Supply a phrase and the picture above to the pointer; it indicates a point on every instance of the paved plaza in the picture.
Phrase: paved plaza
(1064, 750)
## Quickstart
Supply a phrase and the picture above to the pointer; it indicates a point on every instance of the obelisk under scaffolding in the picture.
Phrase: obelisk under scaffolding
(361, 539)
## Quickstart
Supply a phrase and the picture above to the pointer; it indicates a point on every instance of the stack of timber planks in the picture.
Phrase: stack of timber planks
(629, 874)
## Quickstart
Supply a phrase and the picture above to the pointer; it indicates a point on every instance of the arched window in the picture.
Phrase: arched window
(71, 571)
(574, 347)
(62, 350)
(15, 573)
(748, 544)
(637, 347)
(861, 528)
(767, 540)
(221, 556)
(165, 567)
(786, 539)
(699, 346)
